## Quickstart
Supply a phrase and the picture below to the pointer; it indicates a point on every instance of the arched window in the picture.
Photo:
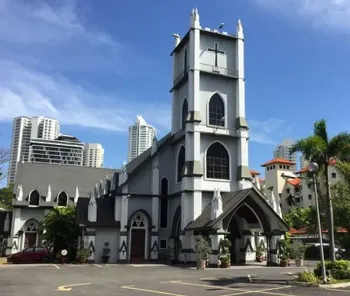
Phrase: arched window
(62, 199)
(216, 111)
(184, 113)
(180, 163)
(218, 162)
(34, 198)
(164, 203)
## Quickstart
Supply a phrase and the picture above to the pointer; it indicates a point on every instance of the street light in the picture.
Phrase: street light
(313, 168)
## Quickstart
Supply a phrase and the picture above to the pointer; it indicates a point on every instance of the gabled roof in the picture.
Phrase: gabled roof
(105, 213)
(294, 182)
(60, 178)
(278, 161)
(254, 173)
(230, 202)
(332, 162)
(146, 155)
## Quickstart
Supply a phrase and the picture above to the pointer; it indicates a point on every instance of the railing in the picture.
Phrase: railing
(219, 70)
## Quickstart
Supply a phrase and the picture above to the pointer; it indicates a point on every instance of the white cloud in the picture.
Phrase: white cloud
(330, 14)
(43, 43)
(56, 37)
(266, 131)
(26, 92)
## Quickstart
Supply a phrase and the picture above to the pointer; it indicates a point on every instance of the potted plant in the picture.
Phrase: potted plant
(83, 255)
(225, 256)
(202, 249)
(284, 260)
(285, 250)
(259, 254)
(105, 253)
(298, 252)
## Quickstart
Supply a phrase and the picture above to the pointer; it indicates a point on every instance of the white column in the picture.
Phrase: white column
(13, 243)
(155, 208)
(124, 213)
(215, 247)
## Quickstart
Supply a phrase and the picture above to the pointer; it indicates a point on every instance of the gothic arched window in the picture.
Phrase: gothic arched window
(34, 198)
(164, 184)
(184, 113)
(62, 199)
(216, 111)
(180, 163)
(218, 162)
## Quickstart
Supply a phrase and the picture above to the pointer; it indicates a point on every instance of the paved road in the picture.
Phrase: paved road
(42, 280)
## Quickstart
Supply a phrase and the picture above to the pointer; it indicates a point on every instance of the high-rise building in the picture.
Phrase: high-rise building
(24, 129)
(141, 136)
(93, 155)
(64, 149)
(283, 151)
(303, 162)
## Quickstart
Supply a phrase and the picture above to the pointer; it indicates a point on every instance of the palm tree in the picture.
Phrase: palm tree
(321, 149)
(344, 169)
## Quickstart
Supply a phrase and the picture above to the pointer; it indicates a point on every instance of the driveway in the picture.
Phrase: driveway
(74, 280)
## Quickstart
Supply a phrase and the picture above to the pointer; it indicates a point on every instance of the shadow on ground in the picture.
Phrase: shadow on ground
(235, 281)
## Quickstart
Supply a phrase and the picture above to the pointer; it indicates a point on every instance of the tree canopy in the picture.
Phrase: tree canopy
(6, 196)
(59, 229)
(320, 148)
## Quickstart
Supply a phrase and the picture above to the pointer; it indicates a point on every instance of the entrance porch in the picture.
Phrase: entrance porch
(247, 220)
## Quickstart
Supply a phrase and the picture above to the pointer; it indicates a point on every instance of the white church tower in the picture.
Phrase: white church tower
(208, 109)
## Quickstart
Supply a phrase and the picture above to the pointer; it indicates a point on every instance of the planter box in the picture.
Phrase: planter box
(201, 264)
(299, 262)
(283, 263)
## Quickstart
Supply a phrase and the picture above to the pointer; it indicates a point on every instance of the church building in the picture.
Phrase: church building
(38, 188)
(196, 179)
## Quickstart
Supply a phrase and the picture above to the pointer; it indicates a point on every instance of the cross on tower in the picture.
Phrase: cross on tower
(216, 50)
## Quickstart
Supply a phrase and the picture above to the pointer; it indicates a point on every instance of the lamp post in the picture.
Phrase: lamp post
(313, 168)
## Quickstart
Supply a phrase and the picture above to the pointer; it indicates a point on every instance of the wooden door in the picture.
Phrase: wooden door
(30, 239)
(138, 244)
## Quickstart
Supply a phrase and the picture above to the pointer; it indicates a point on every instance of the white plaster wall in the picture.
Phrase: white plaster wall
(209, 85)
(231, 146)
(178, 98)
(226, 60)
(103, 235)
(179, 64)
(206, 199)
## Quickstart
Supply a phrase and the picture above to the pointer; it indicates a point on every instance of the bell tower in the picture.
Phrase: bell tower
(208, 114)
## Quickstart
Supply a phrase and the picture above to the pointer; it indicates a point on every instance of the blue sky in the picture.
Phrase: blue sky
(95, 65)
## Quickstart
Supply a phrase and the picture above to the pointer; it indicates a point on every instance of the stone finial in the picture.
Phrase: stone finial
(257, 182)
(96, 191)
(7, 223)
(76, 195)
(49, 194)
(19, 194)
(92, 208)
(239, 27)
(216, 204)
(102, 189)
(195, 18)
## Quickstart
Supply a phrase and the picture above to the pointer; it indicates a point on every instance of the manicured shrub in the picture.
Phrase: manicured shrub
(308, 277)
(339, 269)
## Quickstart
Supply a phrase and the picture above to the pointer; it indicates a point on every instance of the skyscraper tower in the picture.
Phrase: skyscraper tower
(283, 151)
(141, 136)
(24, 129)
